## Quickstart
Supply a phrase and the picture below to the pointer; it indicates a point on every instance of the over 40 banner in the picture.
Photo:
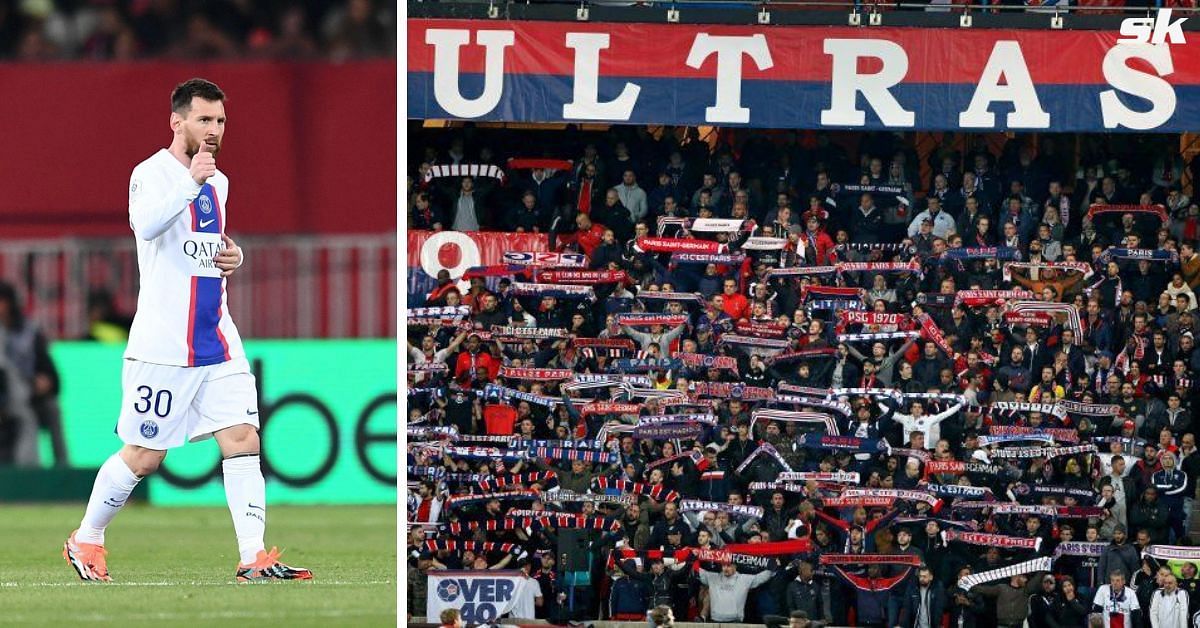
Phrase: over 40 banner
(802, 76)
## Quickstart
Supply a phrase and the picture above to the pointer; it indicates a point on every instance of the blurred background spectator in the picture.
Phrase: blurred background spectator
(99, 30)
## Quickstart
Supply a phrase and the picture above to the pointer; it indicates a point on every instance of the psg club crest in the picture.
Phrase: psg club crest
(150, 430)
(205, 205)
(447, 590)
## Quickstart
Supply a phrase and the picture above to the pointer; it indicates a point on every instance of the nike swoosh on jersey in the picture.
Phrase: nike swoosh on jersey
(205, 223)
(249, 413)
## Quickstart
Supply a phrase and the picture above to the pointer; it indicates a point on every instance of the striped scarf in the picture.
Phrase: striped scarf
(564, 453)
(1172, 552)
(464, 170)
(1020, 406)
(845, 477)
(797, 417)
(1079, 267)
(1060, 434)
(558, 291)
(894, 493)
(764, 448)
(508, 394)
(845, 443)
(662, 419)
(988, 441)
(1027, 307)
(454, 545)
(992, 540)
(1042, 452)
(696, 505)
(883, 335)
(534, 477)
(1027, 567)
(658, 493)
(460, 500)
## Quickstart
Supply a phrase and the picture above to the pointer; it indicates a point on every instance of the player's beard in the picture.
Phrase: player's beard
(194, 148)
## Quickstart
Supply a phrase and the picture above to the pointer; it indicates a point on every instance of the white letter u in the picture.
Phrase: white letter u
(446, 43)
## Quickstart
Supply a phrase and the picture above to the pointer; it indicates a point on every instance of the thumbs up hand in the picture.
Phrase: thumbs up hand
(204, 164)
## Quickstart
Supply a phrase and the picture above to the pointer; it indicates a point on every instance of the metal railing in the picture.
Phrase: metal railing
(288, 287)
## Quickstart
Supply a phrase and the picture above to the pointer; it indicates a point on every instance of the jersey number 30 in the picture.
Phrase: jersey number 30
(161, 402)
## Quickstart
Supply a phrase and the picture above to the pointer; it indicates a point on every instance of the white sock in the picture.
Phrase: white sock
(114, 482)
(246, 493)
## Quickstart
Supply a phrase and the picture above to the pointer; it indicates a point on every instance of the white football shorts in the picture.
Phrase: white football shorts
(162, 407)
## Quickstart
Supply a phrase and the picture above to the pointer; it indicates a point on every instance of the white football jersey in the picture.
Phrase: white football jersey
(182, 317)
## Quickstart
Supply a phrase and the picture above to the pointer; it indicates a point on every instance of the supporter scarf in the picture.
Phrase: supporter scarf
(645, 556)
(887, 247)
(832, 292)
(760, 243)
(727, 259)
(723, 556)
(669, 296)
(788, 487)
(769, 329)
(833, 304)
(1004, 573)
(676, 245)
(1015, 509)
(979, 298)
(450, 314)
(931, 331)
(512, 372)
(864, 583)
(945, 523)
(1080, 548)
(956, 490)
(507, 394)
(448, 432)
(774, 548)
(1090, 409)
(1042, 452)
(1079, 267)
(896, 493)
(1033, 319)
(1128, 445)
(1073, 321)
(564, 497)
(586, 277)
(717, 225)
(1021, 406)
(663, 419)
(707, 361)
(1172, 552)
(563, 453)
(686, 431)
(764, 448)
(486, 453)
(478, 498)
(1002, 253)
(428, 367)
(763, 344)
(845, 477)
(845, 443)
(486, 438)
(1058, 434)
(658, 395)
(464, 170)
(580, 443)
(696, 505)
(899, 322)
(535, 477)
(495, 270)
(558, 291)
(797, 417)
(992, 540)
(530, 163)
(646, 364)
(861, 500)
(920, 454)
(608, 407)
(426, 471)
(606, 343)
(577, 386)
(1157, 210)
(884, 335)
(803, 354)
(544, 258)
(911, 560)
(867, 392)
(801, 271)
(647, 319)
(912, 266)
(727, 390)
(578, 522)
(1150, 255)
(658, 493)
(694, 456)
(808, 391)
(939, 299)
(454, 545)
(1062, 491)
(835, 406)
(939, 467)
(988, 441)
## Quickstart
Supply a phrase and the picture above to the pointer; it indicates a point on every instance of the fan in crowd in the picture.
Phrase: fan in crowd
(772, 384)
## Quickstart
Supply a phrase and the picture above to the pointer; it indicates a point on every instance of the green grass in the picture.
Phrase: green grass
(175, 565)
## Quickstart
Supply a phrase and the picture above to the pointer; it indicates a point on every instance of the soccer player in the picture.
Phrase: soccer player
(185, 377)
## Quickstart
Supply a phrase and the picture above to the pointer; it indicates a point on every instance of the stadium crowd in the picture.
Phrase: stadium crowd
(780, 378)
(124, 30)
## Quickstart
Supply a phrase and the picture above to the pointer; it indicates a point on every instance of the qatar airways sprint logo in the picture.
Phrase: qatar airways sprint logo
(1153, 30)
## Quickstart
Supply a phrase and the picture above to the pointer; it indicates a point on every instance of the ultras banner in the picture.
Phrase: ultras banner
(802, 76)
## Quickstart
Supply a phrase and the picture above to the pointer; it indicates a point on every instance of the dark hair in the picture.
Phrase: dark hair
(182, 95)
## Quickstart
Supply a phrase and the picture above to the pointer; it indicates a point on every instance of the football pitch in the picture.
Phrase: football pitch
(176, 565)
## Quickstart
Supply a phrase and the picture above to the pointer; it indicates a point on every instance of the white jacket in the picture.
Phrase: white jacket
(1169, 610)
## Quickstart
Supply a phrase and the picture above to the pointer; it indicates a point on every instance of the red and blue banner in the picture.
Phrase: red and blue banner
(802, 76)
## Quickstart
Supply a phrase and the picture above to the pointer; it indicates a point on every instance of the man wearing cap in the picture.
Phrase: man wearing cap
(941, 223)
